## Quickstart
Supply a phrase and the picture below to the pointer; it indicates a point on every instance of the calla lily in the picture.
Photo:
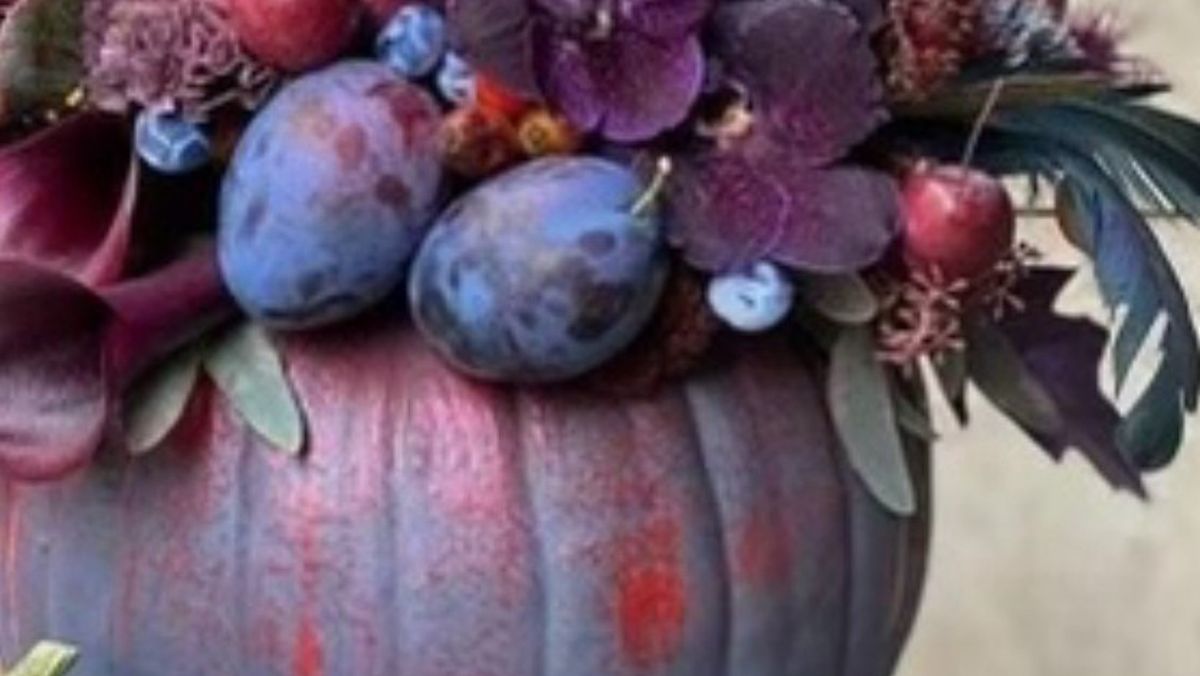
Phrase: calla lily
(73, 331)
(67, 352)
(67, 196)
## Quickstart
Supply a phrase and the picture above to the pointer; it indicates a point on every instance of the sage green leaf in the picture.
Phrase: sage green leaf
(951, 370)
(158, 399)
(41, 56)
(911, 417)
(47, 658)
(860, 401)
(845, 299)
(996, 368)
(248, 370)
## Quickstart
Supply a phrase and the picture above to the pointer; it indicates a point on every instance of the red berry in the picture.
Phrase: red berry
(494, 97)
(957, 220)
(295, 35)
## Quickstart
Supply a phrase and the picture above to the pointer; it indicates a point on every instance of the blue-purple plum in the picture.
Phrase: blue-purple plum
(541, 273)
(328, 195)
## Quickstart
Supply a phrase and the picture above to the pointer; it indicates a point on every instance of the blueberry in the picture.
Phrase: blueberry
(456, 80)
(413, 41)
(170, 144)
(541, 273)
(328, 194)
(753, 301)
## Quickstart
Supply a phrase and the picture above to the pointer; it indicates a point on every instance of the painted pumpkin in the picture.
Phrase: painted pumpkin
(440, 527)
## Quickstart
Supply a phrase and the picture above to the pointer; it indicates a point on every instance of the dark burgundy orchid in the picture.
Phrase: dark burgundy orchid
(626, 69)
(761, 201)
(74, 331)
(772, 185)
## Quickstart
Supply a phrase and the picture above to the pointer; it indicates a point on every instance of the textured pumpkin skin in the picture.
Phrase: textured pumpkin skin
(440, 527)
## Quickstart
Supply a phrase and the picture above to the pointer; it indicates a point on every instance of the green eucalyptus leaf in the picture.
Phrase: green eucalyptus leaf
(158, 399)
(248, 370)
(41, 55)
(845, 299)
(48, 658)
(998, 371)
(860, 401)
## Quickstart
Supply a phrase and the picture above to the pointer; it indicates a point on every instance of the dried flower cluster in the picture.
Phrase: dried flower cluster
(174, 55)
(928, 43)
(922, 316)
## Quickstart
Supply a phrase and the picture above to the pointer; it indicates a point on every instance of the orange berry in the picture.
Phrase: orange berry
(479, 142)
(544, 132)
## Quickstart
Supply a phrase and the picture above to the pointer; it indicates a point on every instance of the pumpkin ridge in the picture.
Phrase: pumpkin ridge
(713, 502)
(514, 404)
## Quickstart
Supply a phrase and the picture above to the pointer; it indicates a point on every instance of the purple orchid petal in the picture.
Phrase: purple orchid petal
(67, 351)
(629, 88)
(809, 70)
(872, 13)
(846, 219)
(724, 213)
(66, 198)
(758, 201)
(665, 18)
(568, 80)
(54, 397)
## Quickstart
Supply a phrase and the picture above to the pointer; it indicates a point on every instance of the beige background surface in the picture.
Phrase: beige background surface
(1039, 569)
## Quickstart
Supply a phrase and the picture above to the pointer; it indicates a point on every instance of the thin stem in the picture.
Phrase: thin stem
(985, 114)
(659, 181)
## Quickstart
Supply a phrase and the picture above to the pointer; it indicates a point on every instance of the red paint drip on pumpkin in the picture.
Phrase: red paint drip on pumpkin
(12, 545)
(649, 596)
(308, 657)
(761, 555)
(651, 609)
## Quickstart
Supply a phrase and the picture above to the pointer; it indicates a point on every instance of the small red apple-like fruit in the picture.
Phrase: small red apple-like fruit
(957, 220)
(295, 35)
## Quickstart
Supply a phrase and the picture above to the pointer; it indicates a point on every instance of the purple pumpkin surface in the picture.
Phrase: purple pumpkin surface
(444, 527)
(329, 192)
(542, 273)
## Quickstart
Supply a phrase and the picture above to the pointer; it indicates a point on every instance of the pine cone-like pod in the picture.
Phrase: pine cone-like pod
(928, 42)
(675, 342)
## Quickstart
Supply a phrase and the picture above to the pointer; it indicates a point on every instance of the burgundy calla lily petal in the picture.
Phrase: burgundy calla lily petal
(66, 198)
(67, 351)
(54, 398)
(160, 312)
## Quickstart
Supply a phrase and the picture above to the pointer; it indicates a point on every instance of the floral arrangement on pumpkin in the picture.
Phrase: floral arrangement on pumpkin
(582, 191)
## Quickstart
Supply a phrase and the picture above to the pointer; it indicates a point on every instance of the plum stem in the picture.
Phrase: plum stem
(662, 171)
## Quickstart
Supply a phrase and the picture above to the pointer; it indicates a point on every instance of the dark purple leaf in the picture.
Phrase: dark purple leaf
(66, 198)
(1064, 354)
(809, 70)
